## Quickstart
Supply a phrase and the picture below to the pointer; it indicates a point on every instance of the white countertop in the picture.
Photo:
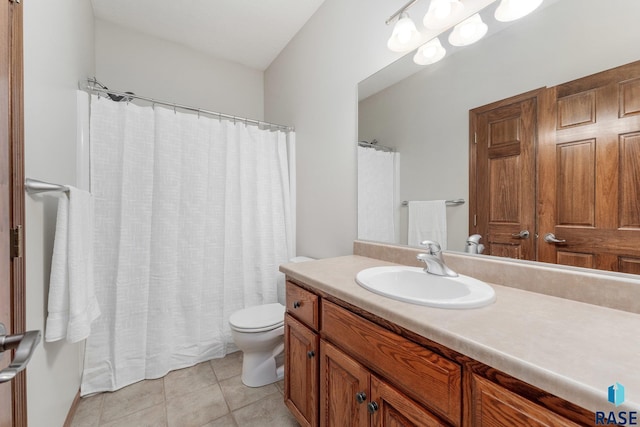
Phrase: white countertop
(570, 349)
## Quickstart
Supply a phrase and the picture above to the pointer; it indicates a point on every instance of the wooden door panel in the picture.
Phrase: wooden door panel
(496, 406)
(629, 97)
(504, 199)
(301, 372)
(629, 265)
(503, 195)
(341, 380)
(397, 410)
(592, 167)
(629, 180)
(576, 182)
(576, 259)
(577, 110)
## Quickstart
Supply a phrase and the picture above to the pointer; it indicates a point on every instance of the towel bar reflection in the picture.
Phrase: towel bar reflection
(34, 186)
(455, 202)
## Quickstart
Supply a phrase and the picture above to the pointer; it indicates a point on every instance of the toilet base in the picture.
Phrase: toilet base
(259, 369)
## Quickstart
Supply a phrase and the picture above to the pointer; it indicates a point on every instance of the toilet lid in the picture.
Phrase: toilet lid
(259, 317)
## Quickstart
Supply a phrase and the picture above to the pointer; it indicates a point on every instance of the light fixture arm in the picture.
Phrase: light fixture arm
(400, 11)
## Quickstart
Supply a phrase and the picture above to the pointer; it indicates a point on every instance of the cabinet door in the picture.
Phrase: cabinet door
(390, 408)
(496, 407)
(344, 389)
(301, 372)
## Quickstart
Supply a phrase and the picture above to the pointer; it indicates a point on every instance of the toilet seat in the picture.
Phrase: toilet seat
(260, 318)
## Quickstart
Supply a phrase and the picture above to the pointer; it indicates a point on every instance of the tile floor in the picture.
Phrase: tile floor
(210, 394)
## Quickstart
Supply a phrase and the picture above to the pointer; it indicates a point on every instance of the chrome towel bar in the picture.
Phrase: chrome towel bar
(455, 202)
(34, 186)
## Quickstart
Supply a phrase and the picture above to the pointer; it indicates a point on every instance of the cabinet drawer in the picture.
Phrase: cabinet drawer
(419, 373)
(495, 406)
(303, 305)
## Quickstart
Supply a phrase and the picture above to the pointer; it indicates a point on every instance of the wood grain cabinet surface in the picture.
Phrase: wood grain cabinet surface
(301, 371)
(344, 369)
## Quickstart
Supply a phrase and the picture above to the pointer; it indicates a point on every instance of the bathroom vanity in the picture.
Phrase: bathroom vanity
(355, 358)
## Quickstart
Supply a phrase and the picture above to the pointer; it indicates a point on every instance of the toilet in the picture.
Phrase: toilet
(259, 333)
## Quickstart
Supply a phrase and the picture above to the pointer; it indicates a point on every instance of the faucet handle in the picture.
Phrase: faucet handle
(434, 247)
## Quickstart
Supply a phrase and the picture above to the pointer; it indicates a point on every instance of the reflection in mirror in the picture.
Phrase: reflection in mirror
(423, 112)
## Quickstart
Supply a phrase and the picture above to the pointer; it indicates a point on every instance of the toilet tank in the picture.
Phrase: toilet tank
(281, 279)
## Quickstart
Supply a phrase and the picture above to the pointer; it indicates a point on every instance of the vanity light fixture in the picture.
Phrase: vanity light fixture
(468, 31)
(405, 35)
(430, 53)
(442, 14)
(510, 10)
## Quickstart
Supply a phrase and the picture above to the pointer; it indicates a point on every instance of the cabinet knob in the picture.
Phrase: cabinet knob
(296, 304)
(361, 397)
(310, 354)
(372, 407)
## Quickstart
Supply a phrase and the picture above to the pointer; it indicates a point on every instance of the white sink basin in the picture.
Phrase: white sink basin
(414, 285)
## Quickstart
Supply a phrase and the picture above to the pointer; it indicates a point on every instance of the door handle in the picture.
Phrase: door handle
(524, 234)
(25, 344)
(551, 238)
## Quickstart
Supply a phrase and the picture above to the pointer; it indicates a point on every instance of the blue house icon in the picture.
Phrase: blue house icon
(616, 394)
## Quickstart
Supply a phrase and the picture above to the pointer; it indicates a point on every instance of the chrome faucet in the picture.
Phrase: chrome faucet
(433, 260)
(473, 244)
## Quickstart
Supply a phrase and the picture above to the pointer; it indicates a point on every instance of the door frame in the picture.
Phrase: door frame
(12, 214)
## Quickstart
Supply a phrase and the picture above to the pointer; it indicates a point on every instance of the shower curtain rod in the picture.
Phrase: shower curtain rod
(91, 86)
(374, 144)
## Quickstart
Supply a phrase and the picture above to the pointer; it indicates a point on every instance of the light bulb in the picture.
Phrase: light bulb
(468, 31)
(429, 53)
(405, 35)
(510, 10)
(442, 10)
(442, 14)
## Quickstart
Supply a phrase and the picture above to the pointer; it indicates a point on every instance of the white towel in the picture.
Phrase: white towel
(427, 221)
(72, 301)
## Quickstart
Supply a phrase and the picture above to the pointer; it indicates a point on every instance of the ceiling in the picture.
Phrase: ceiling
(249, 32)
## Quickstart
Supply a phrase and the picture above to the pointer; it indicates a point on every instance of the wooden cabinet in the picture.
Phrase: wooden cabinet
(350, 395)
(496, 406)
(301, 355)
(342, 369)
(394, 409)
(344, 389)
(426, 377)
(301, 372)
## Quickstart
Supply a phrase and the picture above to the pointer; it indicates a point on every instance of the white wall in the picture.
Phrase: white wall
(58, 51)
(148, 66)
(312, 84)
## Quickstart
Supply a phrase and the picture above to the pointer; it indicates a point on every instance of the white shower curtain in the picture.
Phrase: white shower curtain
(377, 195)
(193, 217)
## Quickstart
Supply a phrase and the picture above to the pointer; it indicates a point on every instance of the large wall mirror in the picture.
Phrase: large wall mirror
(422, 112)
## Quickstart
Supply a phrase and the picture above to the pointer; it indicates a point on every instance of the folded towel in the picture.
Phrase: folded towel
(72, 301)
(427, 221)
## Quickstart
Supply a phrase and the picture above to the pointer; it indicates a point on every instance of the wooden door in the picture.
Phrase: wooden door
(301, 372)
(344, 389)
(495, 406)
(12, 394)
(394, 409)
(590, 172)
(502, 176)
